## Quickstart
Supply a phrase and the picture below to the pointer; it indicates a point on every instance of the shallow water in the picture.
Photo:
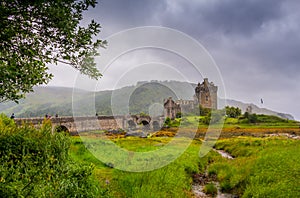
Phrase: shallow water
(224, 154)
(197, 188)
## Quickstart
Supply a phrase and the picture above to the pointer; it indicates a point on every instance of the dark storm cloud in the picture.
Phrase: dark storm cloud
(117, 15)
(265, 34)
(240, 17)
(234, 17)
(256, 43)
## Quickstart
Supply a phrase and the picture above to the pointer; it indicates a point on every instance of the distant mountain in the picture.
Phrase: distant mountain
(44, 100)
(131, 99)
(257, 110)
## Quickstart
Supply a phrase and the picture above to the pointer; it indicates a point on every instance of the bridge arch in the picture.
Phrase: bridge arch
(143, 120)
(146, 124)
(61, 128)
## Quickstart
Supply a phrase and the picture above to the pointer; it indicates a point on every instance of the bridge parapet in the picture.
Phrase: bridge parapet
(89, 123)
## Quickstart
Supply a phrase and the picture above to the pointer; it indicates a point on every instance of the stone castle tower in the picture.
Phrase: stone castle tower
(206, 95)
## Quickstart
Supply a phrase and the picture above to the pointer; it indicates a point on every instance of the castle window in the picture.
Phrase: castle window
(206, 98)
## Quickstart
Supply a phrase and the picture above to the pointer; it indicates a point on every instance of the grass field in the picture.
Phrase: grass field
(263, 121)
(172, 180)
(262, 167)
(265, 163)
(232, 127)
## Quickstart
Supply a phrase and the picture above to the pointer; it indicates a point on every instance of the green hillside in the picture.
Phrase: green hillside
(131, 99)
(67, 102)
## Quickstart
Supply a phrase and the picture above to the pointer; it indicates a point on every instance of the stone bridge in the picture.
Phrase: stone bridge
(92, 123)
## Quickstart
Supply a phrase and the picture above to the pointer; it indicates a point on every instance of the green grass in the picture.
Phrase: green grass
(173, 180)
(263, 121)
(210, 189)
(276, 172)
(263, 167)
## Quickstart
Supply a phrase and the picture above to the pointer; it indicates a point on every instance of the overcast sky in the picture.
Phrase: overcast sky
(255, 44)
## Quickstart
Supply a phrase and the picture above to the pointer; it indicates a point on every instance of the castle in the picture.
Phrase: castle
(205, 95)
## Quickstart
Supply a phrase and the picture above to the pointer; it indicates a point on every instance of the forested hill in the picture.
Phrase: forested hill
(130, 99)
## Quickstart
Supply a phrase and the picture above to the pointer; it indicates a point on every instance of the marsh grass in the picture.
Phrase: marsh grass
(263, 167)
(173, 180)
(211, 189)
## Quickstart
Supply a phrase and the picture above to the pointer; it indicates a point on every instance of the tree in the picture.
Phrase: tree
(36, 33)
(233, 112)
(252, 118)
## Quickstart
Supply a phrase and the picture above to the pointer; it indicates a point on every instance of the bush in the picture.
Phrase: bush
(35, 163)
(6, 123)
(206, 120)
(252, 118)
(167, 122)
(233, 112)
(204, 111)
(213, 117)
(178, 115)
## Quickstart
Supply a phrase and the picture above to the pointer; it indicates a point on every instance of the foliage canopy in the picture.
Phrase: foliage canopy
(36, 33)
(233, 112)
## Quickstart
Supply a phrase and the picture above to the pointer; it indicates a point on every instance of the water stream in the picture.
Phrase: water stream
(200, 180)
(224, 154)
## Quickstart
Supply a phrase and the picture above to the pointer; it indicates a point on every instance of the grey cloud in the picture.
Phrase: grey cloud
(241, 17)
(256, 43)
(227, 17)
(117, 15)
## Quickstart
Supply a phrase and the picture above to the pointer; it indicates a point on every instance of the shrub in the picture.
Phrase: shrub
(6, 123)
(178, 115)
(35, 163)
(252, 118)
(206, 120)
(167, 122)
(175, 123)
(204, 111)
(213, 117)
